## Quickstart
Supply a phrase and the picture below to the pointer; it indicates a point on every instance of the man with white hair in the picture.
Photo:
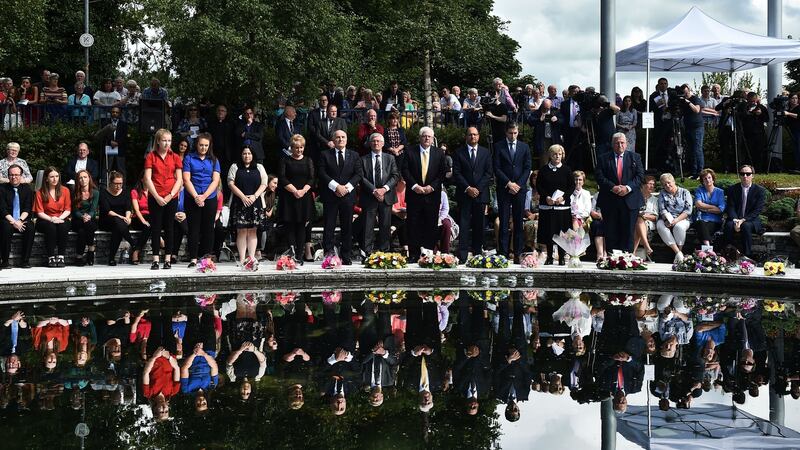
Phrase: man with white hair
(80, 77)
(378, 178)
(423, 170)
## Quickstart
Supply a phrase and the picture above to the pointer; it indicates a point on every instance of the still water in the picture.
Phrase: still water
(387, 369)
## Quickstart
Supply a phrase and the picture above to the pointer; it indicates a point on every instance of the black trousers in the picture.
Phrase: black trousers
(180, 229)
(144, 234)
(511, 206)
(706, 230)
(341, 209)
(471, 223)
(295, 237)
(383, 213)
(422, 224)
(55, 236)
(161, 219)
(201, 226)
(6, 231)
(119, 230)
(618, 224)
(85, 231)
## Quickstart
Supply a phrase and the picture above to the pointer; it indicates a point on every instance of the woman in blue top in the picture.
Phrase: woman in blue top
(709, 203)
(674, 210)
(201, 179)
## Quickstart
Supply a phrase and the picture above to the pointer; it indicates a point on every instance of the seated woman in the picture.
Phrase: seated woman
(115, 214)
(160, 382)
(709, 205)
(648, 215)
(674, 210)
(85, 337)
(85, 205)
(580, 201)
(51, 337)
(53, 208)
(141, 218)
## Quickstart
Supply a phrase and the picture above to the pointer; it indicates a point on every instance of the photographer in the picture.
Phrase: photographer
(601, 118)
(662, 133)
(793, 123)
(546, 122)
(690, 107)
(727, 119)
(754, 116)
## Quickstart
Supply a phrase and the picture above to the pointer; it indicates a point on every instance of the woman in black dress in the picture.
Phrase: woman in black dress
(247, 180)
(295, 204)
(554, 213)
(115, 214)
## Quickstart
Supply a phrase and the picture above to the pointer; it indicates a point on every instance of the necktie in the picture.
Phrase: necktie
(376, 373)
(329, 126)
(291, 128)
(14, 335)
(512, 394)
(340, 159)
(512, 148)
(744, 201)
(423, 376)
(619, 168)
(324, 115)
(620, 379)
(473, 155)
(377, 169)
(424, 165)
(15, 205)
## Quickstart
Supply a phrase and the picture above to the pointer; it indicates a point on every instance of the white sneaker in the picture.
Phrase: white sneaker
(678, 257)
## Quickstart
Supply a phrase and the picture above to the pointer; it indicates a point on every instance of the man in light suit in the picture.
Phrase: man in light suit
(472, 173)
(339, 172)
(619, 176)
(378, 179)
(745, 203)
(423, 170)
(512, 167)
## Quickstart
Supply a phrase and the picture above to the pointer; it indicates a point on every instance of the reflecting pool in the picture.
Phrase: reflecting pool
(481, 368)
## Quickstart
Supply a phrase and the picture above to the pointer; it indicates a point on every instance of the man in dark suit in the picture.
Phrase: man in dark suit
(285, 129)
(323, 134)
(250, 134)
(546, 127)
(393, 96)
(510, 362)
(662, 118)
(472, 173)
(81, 160)
(620, 371)
(423, 170)
(16, 205)
(619, 176)
(472, 370)
(378, 179)
(378, 354)
(225, 148)
(113, 136)
(512, 167)
(339, 172)
(340, 368)
(315, 119)
(335, 96)
(571, 115)
(423, 363)
(745, 203)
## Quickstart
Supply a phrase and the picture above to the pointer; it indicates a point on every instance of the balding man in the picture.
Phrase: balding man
(472, 174)
(339, 173)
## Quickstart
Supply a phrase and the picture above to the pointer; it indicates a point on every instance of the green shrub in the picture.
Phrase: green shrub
(781, 209)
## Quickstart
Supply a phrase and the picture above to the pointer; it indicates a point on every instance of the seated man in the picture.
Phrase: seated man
(745, 203)
(16, 204)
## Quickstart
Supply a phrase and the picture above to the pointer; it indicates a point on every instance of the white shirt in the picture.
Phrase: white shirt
(422, 153)
(581, 202)
(333, 184)
(376, 161)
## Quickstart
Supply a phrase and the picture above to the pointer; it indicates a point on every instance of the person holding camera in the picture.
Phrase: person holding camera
(690, 107)
(602, 115)
(546, 123)
(662, 118)
(793, 123)
(754, 116)
(727, 121)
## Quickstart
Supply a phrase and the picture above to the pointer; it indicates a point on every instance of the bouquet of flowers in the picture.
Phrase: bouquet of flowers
(286, 263)
(250, 264)
(621, 261)
(742, 266)
(701, 262)
(385, 260)
(488, 262)
(747, 304)
(204, 300)
(285, 298)
(490, 295)
(331, 261)
(574, 243)
(531, 297)
(386, 297)
(331, 297)
(774, 306)
(774, 268)
(206, 265)
(436, 261)
(529, 260)
(623, 299)
(575, 314)
(438, 296)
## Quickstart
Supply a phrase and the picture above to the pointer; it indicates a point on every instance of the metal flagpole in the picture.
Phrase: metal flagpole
(647, 130)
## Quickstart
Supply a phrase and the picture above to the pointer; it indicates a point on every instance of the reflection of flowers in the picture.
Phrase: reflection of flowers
(437, 261)
(701, 262)
(386, 297)
(286, 262)
(284, 298)
(385, 260)
(488, 262)
(529, 260)
(774, 306)
(331, 262)
(621, 261)
(774, 268)
(531, 297)
(623, 299)
(205, 299)
(330, 297)
(438, 296)
(706, 305)
(206, 265)
(490, 295)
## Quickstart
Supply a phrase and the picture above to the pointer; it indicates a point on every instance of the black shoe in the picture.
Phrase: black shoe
(308, 259)
(80, 261)
(299, 261)
(90, 258)
(548, 261)
(167, 265)
(347, 262)
(60, 261)
(192, 265)
(25, 265)
(5, 265)
(51, 262)
(561, 261)
(154, 266)
(112, 262)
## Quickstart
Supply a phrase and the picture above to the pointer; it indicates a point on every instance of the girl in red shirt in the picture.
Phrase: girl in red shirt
(163, 178)
(53, 208)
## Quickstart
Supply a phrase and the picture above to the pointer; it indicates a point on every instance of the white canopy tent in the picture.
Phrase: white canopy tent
(699, 43)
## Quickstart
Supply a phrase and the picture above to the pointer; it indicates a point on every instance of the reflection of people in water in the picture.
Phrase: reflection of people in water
(423, 368)
(377, 351)
(510, 362)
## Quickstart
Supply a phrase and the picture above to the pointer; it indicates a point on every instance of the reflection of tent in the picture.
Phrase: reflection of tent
(709, 426)
(699, 43)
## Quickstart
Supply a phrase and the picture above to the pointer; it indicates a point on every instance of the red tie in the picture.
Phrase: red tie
(620, 379)
(619, 168)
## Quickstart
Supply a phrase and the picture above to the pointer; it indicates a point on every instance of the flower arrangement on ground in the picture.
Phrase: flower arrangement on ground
(529, 260)
(621, 261)
(772, 268)
(250, 264)
(206, 265)
(438, 296)
(623, 299)
(386, 297)
(742, 266)
(774, 306)
(780, 318)
(331, 261)
(284, 298)
(204, 300)
(490, 295)
(488, 262)
(286, 262)
(385, 260)
(331, 297)
(574, 243)
(437, 261)
(701, 262)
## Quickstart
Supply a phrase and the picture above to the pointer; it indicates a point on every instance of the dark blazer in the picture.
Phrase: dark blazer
(397, 100)
(222, 135)
(107, 134)
(632, 375)
(328, 170)
(539, 126)
(412, 371)
(516, 374)
(386, 366)
(411, 171)
(7, 200)
(314, 119)
(565, 108)
(23, 340)
(390, 175)
(632, 175)
(506, 168)
(657, 112)
(478, 175)
(755, 202)
(284, 133)
(254, 135)
(337, 98)
(324, 131)
(91, 166)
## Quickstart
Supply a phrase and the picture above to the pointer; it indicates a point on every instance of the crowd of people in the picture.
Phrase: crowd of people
(343, 349)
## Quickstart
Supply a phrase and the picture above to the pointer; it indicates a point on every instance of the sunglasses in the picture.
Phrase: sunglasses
(746, 174)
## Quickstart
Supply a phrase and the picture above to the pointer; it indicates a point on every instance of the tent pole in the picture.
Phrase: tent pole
(649, 417)
(647, 130)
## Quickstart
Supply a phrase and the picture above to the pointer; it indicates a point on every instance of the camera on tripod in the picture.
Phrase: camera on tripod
(676, 99)
(588, 100)
(779, 105)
